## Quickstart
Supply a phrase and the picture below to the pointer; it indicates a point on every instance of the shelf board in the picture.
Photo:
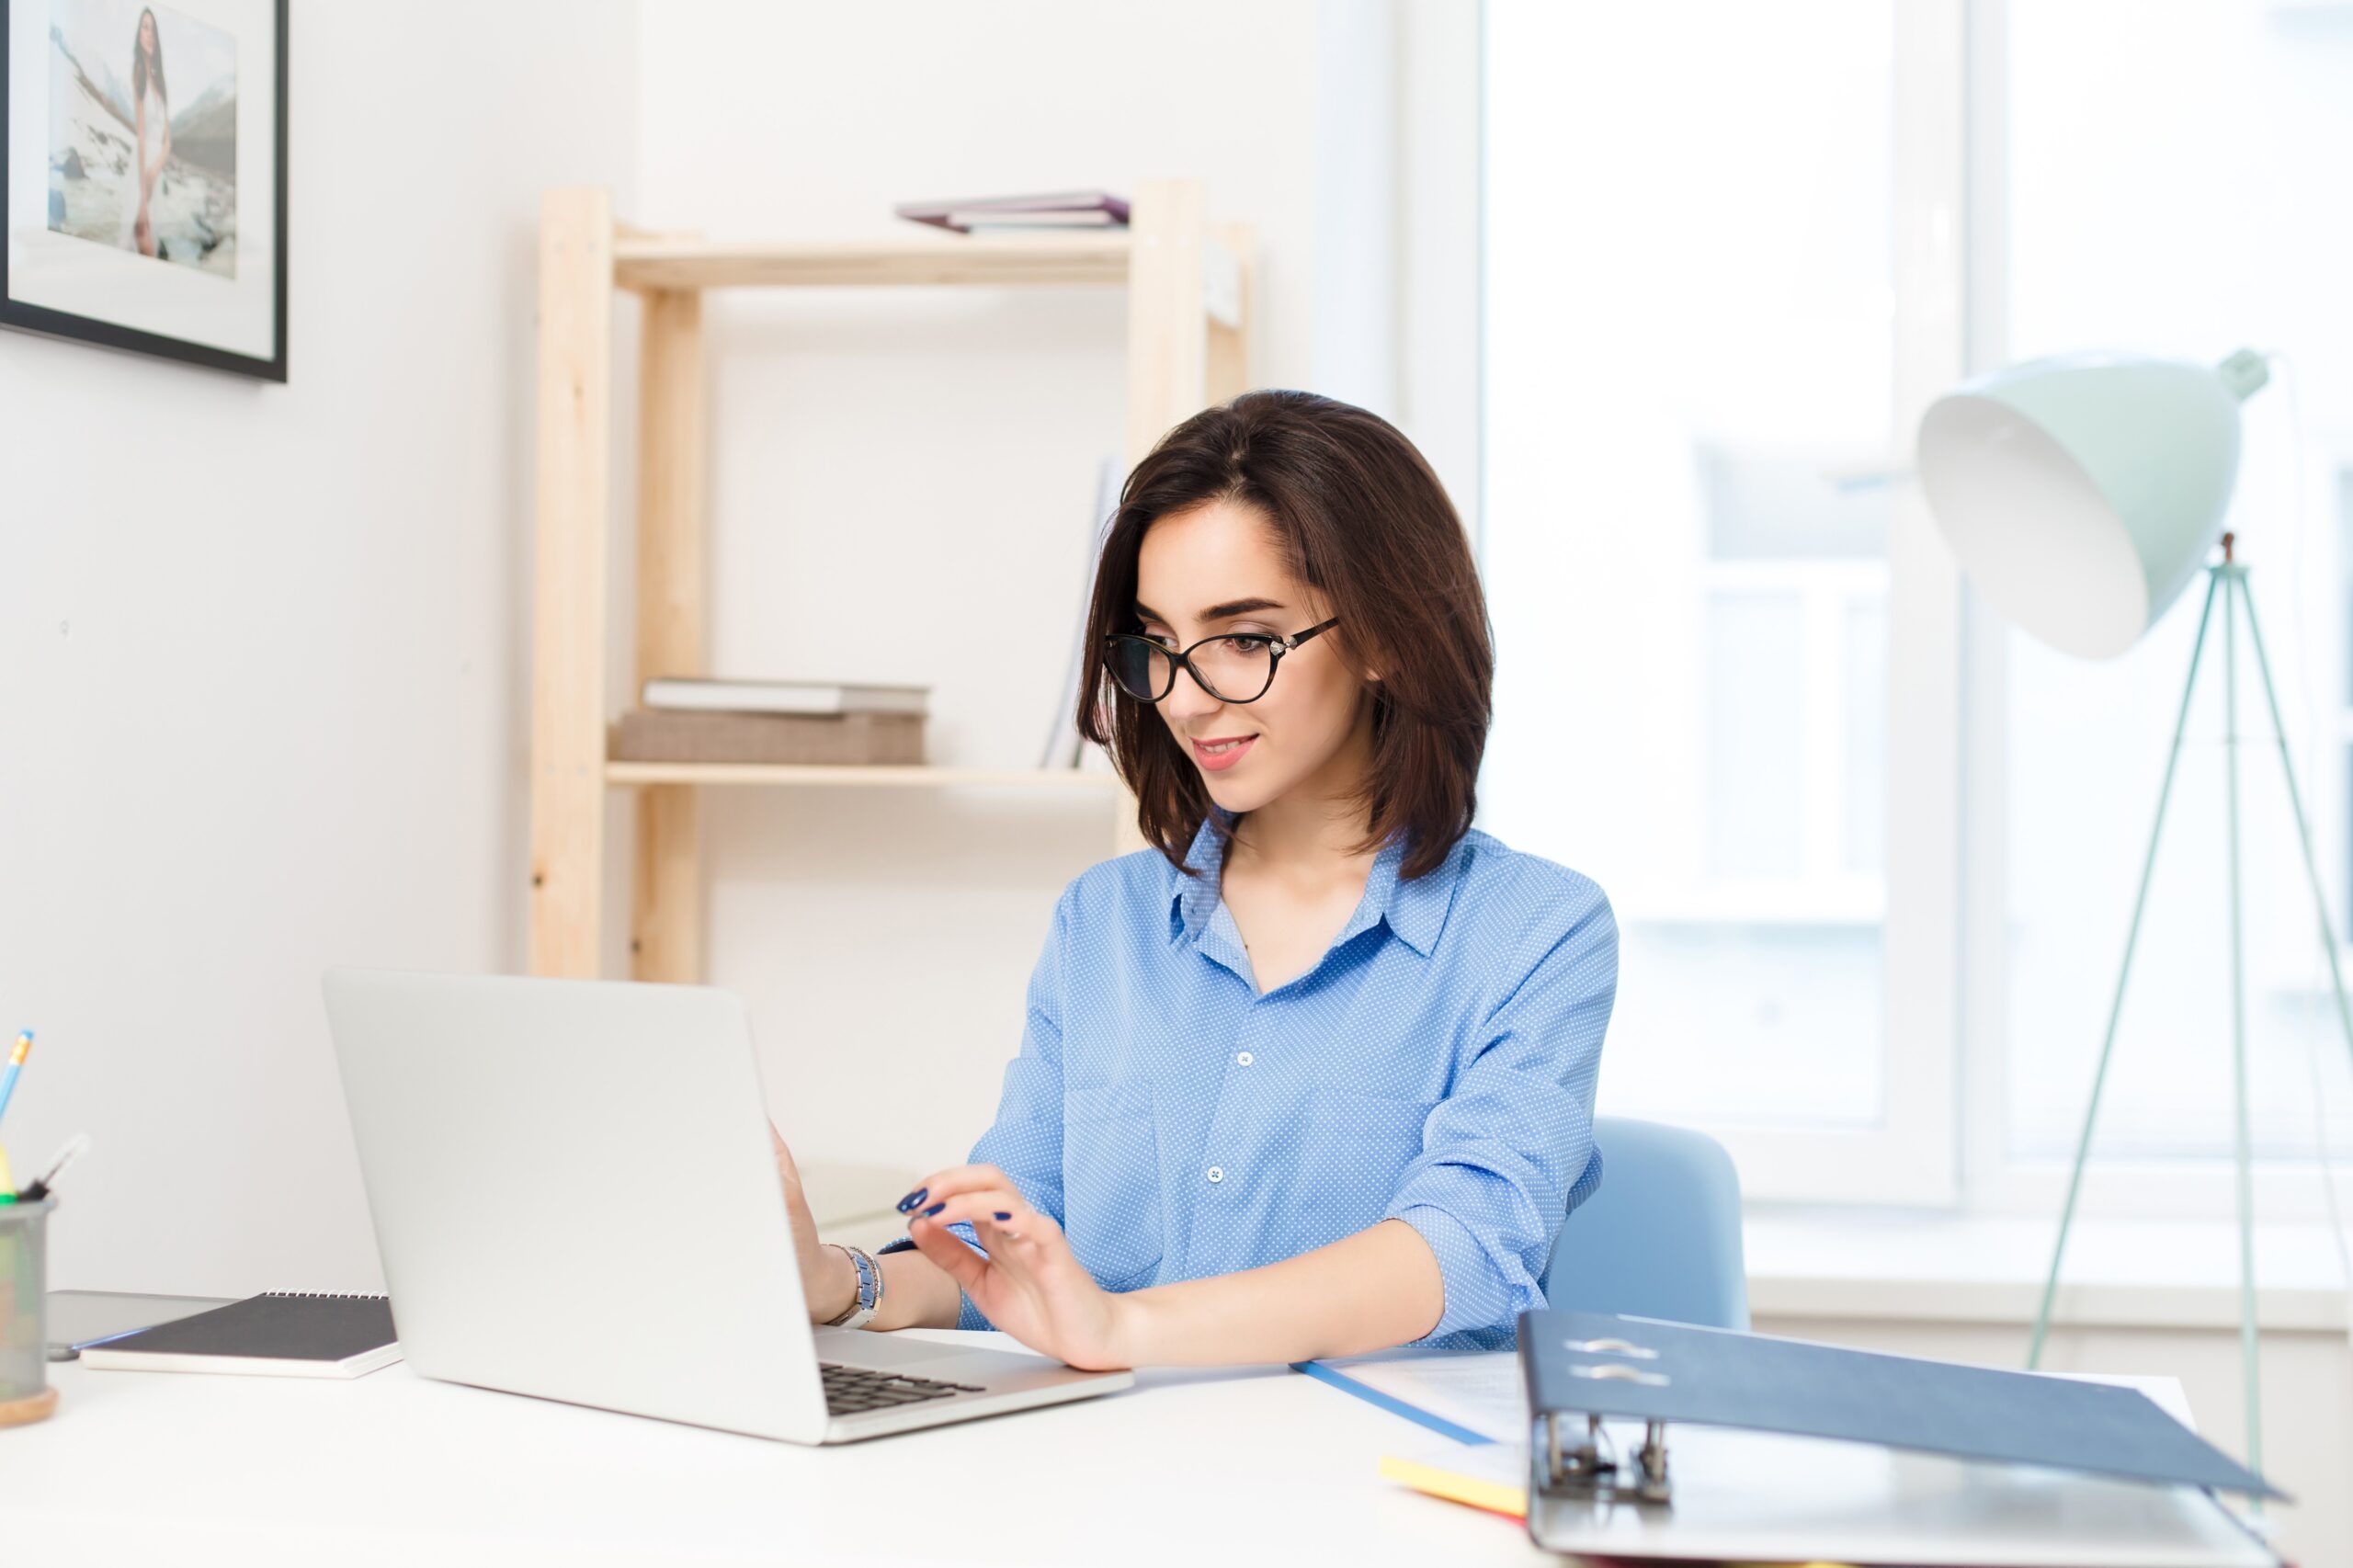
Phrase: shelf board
(901, 776)
(655, 262)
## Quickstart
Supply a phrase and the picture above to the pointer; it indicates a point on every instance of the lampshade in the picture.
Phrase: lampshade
(2082, 493)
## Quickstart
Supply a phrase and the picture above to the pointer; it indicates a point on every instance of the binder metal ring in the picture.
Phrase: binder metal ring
(1611, 1347)
(1619, 1372)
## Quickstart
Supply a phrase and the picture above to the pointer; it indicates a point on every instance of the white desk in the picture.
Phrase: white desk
(1257, 1465)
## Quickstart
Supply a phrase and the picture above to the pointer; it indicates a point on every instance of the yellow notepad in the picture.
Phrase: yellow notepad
(1485, 1475)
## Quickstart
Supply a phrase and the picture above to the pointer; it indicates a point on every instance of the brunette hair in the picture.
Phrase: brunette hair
(1361, 518)
(141, 55)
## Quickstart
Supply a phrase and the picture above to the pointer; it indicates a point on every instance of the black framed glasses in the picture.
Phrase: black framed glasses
(1233, 666)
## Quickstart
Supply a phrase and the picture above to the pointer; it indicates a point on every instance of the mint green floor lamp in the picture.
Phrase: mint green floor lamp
(2082, 495)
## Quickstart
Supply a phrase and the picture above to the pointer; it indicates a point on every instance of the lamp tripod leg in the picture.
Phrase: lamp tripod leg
(2233, 590)
(2303, 833)
(2124, 971)
(2312, 866)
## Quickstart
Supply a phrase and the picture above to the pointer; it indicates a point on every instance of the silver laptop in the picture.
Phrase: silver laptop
(575, 1197)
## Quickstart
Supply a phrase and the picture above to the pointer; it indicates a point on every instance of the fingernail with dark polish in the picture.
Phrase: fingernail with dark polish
(934, 1210)
(911, 1199)
(1003, 1215)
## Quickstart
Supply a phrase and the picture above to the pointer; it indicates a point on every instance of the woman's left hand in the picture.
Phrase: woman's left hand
(1030, 1284)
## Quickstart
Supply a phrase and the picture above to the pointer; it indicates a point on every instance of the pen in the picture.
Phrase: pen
(40, 1184)
(16, 1066)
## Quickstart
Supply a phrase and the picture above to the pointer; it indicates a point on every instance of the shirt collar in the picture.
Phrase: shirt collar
(1193, 899)
(1415, 911)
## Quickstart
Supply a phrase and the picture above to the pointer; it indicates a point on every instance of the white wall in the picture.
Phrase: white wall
(264, 652)
(902, 480)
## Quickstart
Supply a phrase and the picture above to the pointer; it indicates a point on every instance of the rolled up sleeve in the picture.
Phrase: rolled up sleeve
(1026, 1140)
(1509, 1151)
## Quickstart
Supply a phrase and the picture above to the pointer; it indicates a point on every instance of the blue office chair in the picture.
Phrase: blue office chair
(1660, 1237)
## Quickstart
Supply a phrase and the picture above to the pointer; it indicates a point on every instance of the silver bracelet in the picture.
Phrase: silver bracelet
(867, 1300)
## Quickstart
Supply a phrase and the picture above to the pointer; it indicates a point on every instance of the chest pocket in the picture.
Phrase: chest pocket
(1111, 1183)
(1363, 1143)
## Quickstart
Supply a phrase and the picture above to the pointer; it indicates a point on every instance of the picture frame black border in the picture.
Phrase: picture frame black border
(87, 329)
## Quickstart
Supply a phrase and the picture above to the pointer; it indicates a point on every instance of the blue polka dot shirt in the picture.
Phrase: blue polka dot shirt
(1436, 1065)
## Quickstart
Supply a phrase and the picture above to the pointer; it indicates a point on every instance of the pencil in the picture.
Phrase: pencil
(16, 1066)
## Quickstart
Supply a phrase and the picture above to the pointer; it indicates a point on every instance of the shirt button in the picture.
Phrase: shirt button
(1217, 1173)
(1244, 1057)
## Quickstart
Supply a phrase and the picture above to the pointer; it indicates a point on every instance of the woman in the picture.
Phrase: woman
(151, 120)
(1314, 1075)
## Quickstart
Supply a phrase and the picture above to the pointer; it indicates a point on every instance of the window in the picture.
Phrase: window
(1873, 853)
(1693, 279)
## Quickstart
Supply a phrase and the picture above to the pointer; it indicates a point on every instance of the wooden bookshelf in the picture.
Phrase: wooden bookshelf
(1188, 339)
(903, 776)
(656, 262)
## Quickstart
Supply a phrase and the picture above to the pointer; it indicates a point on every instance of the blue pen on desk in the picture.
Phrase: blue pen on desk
(16, 1066)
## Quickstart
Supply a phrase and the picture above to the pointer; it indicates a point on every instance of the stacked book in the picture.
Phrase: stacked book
(772, 721)
(1054, 210)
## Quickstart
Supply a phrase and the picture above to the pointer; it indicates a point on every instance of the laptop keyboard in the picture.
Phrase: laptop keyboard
(852, 1390)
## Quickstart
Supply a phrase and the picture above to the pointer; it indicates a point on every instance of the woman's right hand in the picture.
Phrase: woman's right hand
(828, 1279)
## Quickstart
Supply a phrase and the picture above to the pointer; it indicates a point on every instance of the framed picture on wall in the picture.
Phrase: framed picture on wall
(142, 174)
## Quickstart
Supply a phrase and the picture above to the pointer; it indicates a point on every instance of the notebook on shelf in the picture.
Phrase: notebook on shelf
(976, 221)
(284, 1334)
(1059, 209)
(700, 695)
(874, 739)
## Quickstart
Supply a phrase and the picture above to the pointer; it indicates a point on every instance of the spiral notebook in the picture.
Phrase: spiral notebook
(284, 1334)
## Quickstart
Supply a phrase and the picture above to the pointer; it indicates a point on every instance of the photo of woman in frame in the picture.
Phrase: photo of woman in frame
(151, 105)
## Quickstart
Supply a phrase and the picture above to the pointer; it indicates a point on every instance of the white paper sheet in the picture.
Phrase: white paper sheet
(1484, 1391)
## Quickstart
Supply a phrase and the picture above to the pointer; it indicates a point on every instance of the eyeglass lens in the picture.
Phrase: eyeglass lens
(1235, 669)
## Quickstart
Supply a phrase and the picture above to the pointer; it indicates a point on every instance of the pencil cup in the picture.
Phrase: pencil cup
(25, 1394)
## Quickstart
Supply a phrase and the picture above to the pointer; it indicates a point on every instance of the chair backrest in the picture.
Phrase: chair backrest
(1660, 1237)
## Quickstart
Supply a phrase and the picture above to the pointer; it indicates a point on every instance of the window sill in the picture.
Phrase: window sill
(1824, 1263)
